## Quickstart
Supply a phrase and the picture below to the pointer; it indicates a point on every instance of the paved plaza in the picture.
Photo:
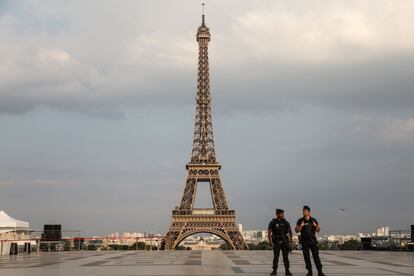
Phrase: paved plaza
(200, 263)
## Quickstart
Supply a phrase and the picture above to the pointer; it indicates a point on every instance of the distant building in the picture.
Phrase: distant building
(254, 236)
(399, 238)
(383, 231)
(335, 241)
(380, 242)
(240, 226)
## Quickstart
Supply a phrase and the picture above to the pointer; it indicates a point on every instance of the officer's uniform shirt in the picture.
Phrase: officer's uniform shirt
(308, 230)
(278, 227)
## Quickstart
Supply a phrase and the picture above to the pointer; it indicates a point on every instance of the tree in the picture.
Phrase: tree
(264, 245)
(92, 247)
(224, 246)
(351, 245)
(138, 246)
(66, 245)
(118, 246)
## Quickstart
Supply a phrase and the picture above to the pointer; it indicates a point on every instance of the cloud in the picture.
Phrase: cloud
(135, 62)
(6, 184)
(150, 49)
(331, 32)
(361, 122)
(398, 131)
(42, 76)
(45, 183)
(265, 57)
(386, 130)
(55, 56)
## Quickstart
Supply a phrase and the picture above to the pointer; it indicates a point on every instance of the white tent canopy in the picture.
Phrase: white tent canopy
(8, 223)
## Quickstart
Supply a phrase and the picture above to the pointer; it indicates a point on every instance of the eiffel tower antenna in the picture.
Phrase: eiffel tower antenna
(203, 16)
(203, 168)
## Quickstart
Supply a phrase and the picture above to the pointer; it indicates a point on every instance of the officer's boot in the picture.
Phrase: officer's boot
(309, 272)
(320, 273)
(287, 272)
(274, 272)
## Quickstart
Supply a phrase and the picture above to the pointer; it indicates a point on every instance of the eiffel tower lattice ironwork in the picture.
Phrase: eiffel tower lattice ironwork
(203, 167)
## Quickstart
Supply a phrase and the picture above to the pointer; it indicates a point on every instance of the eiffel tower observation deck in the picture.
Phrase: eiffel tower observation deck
(203, 167)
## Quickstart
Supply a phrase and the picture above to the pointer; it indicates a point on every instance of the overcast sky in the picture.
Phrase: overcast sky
(312, 100)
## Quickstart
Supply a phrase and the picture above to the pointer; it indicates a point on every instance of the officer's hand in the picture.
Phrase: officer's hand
(302, 224)
(315, 224)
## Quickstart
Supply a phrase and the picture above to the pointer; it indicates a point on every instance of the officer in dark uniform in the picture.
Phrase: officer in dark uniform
(308, 226)
(280, 236)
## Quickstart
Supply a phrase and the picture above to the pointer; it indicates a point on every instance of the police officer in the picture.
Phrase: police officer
(280, 236)
(308, 226)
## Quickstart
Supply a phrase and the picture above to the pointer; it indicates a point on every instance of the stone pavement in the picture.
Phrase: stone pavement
(242, 263)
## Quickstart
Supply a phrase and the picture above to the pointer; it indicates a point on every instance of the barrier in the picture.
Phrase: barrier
(78, 243)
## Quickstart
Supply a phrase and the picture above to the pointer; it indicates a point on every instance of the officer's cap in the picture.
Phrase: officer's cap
(278, 211)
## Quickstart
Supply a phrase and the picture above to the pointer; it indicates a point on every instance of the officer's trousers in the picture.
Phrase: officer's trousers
(277, 247)
(307, 246)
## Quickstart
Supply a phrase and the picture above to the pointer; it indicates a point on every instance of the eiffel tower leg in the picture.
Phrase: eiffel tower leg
(187, 200)
(218, 193)
(170, 239)
(237, 240)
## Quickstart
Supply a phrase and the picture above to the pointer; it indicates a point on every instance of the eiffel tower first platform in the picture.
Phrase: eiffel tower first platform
(203, 167)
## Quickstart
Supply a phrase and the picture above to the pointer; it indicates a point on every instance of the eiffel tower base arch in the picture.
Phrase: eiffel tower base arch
(222, 225)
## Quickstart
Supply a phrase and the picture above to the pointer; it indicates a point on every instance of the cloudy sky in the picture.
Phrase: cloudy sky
(312, 100)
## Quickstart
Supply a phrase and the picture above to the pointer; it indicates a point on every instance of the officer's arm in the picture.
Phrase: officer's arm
(298, 226)
(290, 233)
(317, 226)
(269, 235)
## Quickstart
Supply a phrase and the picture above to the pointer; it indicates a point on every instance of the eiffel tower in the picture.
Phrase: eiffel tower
(203, 167)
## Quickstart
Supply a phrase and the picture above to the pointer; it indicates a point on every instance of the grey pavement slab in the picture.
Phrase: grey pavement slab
(137, 263)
